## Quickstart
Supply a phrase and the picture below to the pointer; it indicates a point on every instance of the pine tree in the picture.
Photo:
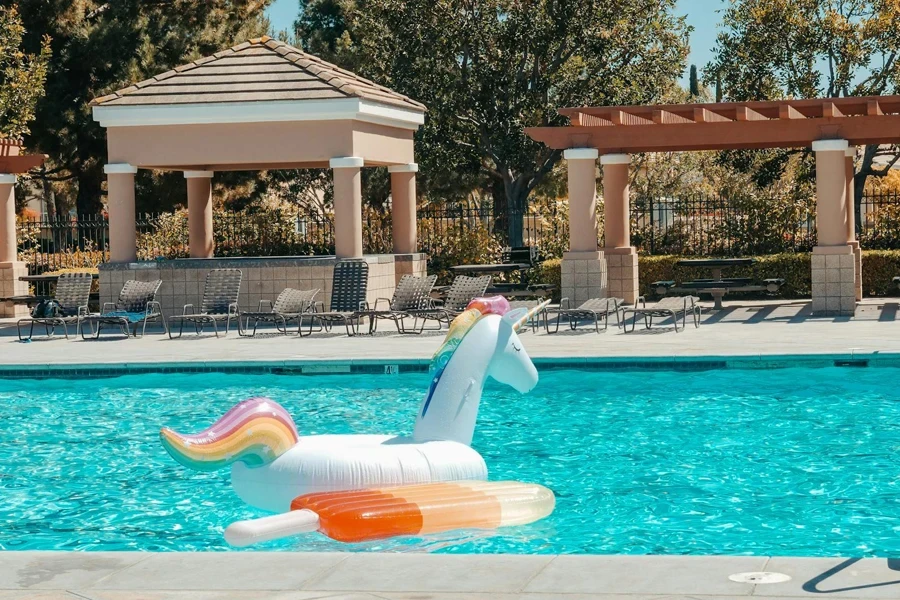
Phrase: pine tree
(22, 75)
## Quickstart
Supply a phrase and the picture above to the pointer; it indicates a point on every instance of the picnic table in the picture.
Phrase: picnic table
(486, 269)
(718, 286)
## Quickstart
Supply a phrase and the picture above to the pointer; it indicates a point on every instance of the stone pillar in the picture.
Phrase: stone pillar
(347, 206)
(849, 158)
(833, 271)
(10, 266)
(200, 213)
(621, 256)
(403, 207)
(120, 206)
(583, 266)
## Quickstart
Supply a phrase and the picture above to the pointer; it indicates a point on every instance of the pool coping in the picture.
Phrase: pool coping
(394, 366)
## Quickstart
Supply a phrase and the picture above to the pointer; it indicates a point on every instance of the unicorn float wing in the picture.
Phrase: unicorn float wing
(399, 483)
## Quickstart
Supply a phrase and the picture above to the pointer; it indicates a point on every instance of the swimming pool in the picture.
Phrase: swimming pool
(768, 462)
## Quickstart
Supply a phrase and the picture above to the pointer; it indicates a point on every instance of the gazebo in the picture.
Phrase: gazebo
(262, 104)
(832, 127)
(12, 163)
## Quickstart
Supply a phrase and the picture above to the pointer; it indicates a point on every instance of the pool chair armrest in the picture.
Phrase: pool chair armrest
(640, 300)
(259, 308)
(233, 309)
(363, 306)
(379, 300)
(184, 311)
(314, 307)
(153, 308)
(437, 303)
(107, 306)
(565, 304)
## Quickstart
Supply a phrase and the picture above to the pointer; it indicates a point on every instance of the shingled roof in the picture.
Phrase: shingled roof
(259, 70)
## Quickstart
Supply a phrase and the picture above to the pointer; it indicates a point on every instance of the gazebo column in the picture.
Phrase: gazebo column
(347, 206)
(849, 159)
(120, 206)
(621, 256)
(200, 213)
(10, 267)
(407, 261)
(833, 260)
(583, 266)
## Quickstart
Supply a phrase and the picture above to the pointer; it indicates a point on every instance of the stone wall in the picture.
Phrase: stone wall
(263, 278)
(11, 286)
(583, 277)
(833, 281)
(410, 264)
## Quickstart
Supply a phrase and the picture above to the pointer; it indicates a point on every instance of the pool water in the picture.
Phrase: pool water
(764, 462)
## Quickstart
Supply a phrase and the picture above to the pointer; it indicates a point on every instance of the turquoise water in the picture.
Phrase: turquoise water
(778, 462)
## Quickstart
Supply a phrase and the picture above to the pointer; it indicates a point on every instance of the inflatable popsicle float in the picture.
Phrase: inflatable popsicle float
(360, 487)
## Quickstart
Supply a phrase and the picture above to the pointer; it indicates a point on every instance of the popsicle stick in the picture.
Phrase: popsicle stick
(264, 529)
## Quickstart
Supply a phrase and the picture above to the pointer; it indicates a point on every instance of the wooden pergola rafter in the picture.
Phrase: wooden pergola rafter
(726, 125)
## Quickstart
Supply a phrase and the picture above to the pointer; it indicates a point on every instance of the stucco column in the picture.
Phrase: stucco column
(621, 257)
(200, 213)
(833, 260)
(849, 168)
(347, 206)
(403, 207)
(583, 267)
(7, 218)
(120, 206)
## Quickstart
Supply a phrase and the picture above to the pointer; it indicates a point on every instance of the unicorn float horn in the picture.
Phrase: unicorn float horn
(254, 432)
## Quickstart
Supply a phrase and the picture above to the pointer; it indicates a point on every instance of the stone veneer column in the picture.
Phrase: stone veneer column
(583, 266)
(621, 256)
(120, 206)
(200, 213)
(403, 207)
(347, 206)
(849, 158)
(833, 270)
(10, 267)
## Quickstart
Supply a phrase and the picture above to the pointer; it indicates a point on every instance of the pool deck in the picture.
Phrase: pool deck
(347, 576)
(741, 329)
(751, 331)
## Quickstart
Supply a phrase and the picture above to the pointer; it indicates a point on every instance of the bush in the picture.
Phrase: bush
(549, 271)
(879, 267)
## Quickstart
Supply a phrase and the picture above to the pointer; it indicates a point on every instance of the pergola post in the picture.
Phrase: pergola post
(120, 206)
(200, 213)
(347, 206)
(621, 256)
(583, 266)
(833, 260)
(10, 267)
(849, 159)
(403, 207)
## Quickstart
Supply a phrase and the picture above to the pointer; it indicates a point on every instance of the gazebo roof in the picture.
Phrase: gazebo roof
(259, 70)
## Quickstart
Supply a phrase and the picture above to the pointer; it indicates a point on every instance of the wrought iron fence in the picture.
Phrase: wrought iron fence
(878, 221)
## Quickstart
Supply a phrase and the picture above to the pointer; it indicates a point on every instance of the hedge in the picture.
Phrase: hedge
(879, 268)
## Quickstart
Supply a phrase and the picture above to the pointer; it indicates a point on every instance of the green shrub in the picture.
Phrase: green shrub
(879, 267)
(549, 271)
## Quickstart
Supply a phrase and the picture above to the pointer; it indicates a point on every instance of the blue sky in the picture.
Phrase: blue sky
(702, 14)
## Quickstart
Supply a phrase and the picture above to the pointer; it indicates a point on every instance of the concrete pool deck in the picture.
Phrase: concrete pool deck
(741, 329)
(371, 576)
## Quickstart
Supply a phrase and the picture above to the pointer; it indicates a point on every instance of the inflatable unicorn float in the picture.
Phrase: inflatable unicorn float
(360, 487)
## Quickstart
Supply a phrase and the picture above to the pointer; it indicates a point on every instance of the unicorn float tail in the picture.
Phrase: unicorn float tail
(254, 432)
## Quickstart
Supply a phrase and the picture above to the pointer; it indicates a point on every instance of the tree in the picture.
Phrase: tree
(22, 75)
(773, 49)
(486, 69)
(694, 86)
(101, 46)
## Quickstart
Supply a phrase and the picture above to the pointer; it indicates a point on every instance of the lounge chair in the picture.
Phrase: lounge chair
(412, 293)
(136, 306)
(672, 306)
(595, 309)
(220, 303)
(290, 305)
(348, 297)
(535, 319)
(73, 290)
(461, 292)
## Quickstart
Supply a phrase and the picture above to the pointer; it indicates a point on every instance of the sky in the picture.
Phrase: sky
(702, 14)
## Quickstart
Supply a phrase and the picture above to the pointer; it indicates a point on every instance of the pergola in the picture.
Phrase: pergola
(260, 105)
(832, 127)
(12, 163)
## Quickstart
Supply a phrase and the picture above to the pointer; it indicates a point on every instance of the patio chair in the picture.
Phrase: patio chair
(672, 306)
(348, 297)
(220, 303)
(136, 306)
(412, 293)
(73, 290)
(595, 310)
(461, 292)
(290, 305)
(535, 319)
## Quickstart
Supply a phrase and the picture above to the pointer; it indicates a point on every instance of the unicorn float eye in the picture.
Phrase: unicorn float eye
(516, 348)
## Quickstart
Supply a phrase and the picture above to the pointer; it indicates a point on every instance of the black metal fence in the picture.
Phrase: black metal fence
(690, 226)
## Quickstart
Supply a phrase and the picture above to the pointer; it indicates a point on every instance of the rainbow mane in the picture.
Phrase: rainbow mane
(254, 432)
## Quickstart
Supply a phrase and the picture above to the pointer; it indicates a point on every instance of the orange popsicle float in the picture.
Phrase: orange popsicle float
(371, 514)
